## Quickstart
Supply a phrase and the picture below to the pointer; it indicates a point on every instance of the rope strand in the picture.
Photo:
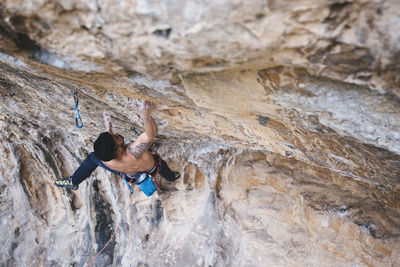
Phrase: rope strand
(119, 224)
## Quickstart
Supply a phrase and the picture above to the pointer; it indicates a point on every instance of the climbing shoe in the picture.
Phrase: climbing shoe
(177, 176)
(67, 183)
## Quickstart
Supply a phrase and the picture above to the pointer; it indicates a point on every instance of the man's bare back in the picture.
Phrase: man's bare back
(130, 165)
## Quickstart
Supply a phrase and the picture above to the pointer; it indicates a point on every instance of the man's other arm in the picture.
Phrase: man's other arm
(144, 141)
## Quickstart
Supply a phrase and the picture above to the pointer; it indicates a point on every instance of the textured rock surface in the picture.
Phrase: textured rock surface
(282, 116)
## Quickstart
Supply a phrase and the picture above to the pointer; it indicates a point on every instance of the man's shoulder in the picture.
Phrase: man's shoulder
(144, 155)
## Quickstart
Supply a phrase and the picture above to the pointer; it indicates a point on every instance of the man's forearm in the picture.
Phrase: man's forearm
(150, 127)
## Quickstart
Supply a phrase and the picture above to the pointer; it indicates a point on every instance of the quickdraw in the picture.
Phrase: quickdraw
(134, 130)
(78, 119)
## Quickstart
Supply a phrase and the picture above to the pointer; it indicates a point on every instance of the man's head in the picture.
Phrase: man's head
(107, 146)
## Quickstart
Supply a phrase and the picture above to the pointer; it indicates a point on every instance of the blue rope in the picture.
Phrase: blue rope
(78, 119)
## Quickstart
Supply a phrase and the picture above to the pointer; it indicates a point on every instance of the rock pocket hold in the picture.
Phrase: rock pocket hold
(263, 120)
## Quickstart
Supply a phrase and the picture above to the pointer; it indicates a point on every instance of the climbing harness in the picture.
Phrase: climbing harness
(112, 236)
(145, 180)
(78, 120)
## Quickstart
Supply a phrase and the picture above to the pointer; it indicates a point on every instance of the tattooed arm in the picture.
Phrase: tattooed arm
(144, 141)
(138, 150)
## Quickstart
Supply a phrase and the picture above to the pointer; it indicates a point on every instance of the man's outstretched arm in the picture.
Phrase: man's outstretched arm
(144, 141)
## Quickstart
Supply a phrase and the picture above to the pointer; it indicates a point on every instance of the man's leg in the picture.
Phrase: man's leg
(83, 172)
(165, 171)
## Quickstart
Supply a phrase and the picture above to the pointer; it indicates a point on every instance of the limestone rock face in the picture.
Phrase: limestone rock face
(283, 118)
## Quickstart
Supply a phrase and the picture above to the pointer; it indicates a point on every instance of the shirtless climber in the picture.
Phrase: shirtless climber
(128, 160)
